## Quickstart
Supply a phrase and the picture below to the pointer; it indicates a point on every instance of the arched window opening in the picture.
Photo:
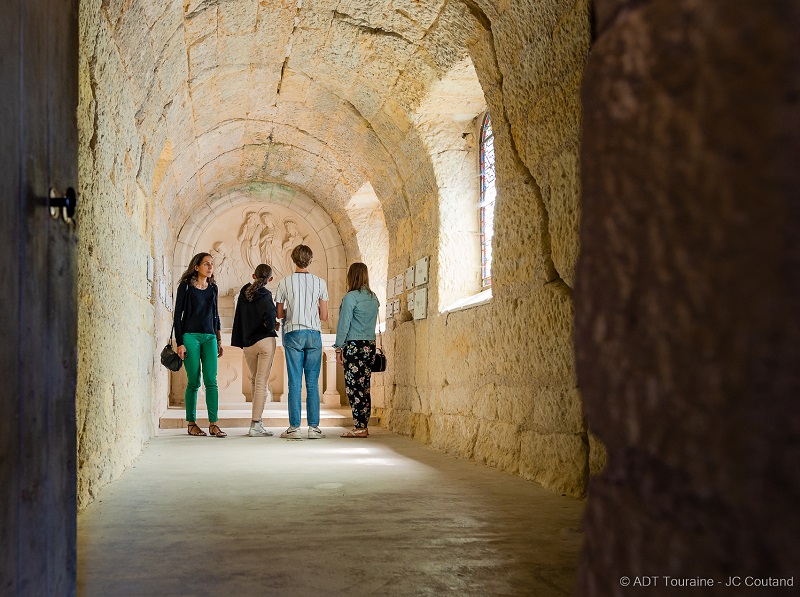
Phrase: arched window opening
(449, 124)
(488, 196)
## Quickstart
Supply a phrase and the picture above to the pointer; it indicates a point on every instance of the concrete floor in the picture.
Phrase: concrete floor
(266, 516)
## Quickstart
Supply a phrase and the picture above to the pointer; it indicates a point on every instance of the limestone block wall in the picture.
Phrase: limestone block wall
(164, 234)
(497, 382)
(116, 361)
(688, 322)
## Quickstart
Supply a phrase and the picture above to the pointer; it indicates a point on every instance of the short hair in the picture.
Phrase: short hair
(302, 256)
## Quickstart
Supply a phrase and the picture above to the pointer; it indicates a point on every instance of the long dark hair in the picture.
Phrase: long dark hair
(190, 275)
(263, 273)
(358, 277)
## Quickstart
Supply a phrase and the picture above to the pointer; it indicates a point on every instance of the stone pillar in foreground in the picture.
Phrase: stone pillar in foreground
(687, 295)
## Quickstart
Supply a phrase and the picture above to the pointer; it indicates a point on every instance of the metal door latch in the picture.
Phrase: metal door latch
(63, 204)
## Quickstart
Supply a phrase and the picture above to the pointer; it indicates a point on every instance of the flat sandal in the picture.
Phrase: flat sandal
(214, 430)
(195, 430)
(356, 433)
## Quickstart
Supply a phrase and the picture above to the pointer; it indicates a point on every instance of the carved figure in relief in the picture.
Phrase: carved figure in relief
(291, 239)
(267, 242)
(246, 234)
(255, 245)
(222, 264)
(250, 237)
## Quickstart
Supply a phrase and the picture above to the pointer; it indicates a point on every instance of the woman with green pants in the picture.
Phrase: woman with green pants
(197, 332)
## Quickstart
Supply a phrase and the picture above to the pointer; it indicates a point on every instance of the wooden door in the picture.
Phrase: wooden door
(38, 297)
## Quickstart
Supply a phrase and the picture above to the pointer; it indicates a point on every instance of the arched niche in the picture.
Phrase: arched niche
(262, 223)
(448, 123)
(365, 212)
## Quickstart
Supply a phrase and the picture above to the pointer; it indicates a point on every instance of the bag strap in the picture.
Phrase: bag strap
(216, 310)
(380, 335)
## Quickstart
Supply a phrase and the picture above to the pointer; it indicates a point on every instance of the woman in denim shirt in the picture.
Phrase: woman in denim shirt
(355, 345)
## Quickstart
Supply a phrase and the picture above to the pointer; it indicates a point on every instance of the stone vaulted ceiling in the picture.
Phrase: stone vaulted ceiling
(316, 94)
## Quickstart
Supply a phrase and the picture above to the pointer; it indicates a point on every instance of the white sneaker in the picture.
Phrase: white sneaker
(257, 430)
(315, 433)
(292, 433)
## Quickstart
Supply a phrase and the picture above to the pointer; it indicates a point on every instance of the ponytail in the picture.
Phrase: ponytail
(263, 273)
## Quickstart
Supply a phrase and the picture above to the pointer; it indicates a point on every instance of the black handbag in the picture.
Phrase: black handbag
(170, 358)
(379, 360)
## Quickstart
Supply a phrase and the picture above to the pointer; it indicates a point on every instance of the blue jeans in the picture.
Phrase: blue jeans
(303, 350)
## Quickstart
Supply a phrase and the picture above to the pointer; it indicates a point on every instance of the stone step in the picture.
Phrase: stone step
(275, 415)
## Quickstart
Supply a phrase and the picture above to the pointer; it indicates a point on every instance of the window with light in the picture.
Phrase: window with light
(488, 196)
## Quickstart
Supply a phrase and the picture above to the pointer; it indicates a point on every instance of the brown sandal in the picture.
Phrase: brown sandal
(356, 433)
(195, 430)
(214, 430)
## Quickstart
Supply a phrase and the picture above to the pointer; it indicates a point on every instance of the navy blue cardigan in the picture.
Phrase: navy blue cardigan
(196, 311)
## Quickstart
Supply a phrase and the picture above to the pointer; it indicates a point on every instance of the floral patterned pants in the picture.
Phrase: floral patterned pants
(357, 356)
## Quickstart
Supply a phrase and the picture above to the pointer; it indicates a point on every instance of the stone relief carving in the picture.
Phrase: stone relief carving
(291, 238)
(223, 264)
(249, 235)
(267, 243)
(227, 375)
(262, 241)
(243, 237)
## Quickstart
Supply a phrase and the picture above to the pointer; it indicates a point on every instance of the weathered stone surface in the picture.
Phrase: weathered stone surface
(518, 350)
(598, 456)
(498, 444)
(454, 434)
(557, 461)
(688, 325)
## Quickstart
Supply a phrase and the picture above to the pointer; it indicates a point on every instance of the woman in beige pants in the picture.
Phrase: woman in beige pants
(255, 331)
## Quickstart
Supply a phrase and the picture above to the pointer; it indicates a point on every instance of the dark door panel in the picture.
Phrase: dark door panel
(10, 267)
(62, 271)
(38, 150)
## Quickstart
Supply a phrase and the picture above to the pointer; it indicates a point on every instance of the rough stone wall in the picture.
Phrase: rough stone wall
(688, 322)
(116, 358)
(497, 382)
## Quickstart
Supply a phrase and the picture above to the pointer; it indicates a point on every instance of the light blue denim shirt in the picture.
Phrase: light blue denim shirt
(357, 317)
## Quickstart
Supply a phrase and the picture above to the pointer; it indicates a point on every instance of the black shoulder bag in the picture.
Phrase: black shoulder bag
(170, 358)
(379, 360)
